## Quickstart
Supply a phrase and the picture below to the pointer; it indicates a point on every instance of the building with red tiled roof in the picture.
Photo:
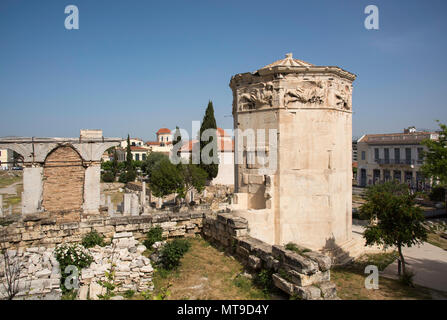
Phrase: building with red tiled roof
(225, 148)
(163, 131)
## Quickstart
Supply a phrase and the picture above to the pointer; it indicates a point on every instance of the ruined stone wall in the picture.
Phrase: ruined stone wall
(304, 275)
(63, 185)
(43, 230)
(39, 273)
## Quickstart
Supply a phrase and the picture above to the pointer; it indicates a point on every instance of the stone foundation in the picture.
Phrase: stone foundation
(304, 275)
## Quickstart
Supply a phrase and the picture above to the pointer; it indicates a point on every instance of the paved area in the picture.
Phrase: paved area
(428, 262)
(11, 189)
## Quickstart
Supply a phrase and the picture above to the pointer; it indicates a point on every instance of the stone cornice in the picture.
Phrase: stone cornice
(279, 70)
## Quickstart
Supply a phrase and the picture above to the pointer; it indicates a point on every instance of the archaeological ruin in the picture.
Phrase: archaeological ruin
(305, 197)
(61, 175)
(300, 192)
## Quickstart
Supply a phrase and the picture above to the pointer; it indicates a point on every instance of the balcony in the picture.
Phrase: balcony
(402, 162)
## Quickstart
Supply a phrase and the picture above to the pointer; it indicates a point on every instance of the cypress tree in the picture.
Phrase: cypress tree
(128, 155)
(209, 122)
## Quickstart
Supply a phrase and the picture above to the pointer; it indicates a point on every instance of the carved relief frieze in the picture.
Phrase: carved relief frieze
(307, 92)
(339, 96)
(256, 97)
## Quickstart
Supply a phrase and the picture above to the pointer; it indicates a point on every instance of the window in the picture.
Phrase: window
(397, 155)
(137, 157)
(363, 155)
(376, 153)
(144, 156)
(386, 152)
(408, 153)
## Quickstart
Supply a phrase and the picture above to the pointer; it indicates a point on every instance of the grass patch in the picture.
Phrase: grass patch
(205, 273)
(7, 180)
(437, 240)
(381, 260)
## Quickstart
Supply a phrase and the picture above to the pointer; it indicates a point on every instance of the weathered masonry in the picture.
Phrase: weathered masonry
(61, 175)
(306, 196)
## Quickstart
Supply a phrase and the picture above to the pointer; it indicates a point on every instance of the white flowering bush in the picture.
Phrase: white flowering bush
(72, 254)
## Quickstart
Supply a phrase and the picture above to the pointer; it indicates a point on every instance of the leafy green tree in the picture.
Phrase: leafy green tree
(115, 165)
(193, 177)
(435, 159)
(209, 122)
(151, 161)
(165, 179)
(394, 218)
(106, 165)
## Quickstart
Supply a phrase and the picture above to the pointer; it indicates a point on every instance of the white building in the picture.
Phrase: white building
(6, 158)
(163, 143)
(225, 147)
(136, 142)
(394, 156)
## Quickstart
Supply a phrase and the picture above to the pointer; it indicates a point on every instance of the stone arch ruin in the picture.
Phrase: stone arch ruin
(63, 180)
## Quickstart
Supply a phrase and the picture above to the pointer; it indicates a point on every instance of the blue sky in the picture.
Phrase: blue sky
(135, 66)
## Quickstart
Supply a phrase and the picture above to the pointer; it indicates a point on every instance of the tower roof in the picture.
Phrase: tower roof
(290, 65)
(288, 61)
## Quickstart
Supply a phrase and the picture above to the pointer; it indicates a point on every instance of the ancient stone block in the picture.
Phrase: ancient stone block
(294, 261)
(283, 284)
(324, 262)
(254, 262)
(256, 179)
(245, 178)
(307, 292)
(328, 290)
(302, 280)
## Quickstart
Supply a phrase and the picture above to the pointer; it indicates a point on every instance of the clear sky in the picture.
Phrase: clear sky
(137, 65)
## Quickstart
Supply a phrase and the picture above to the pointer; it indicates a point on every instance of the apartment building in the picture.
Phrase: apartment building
(393, 156)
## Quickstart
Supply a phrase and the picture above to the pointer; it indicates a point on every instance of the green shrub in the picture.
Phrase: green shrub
(172, 252)
(128, 176)
(437, 194)
(129, 294)
(92, 239)
(407, 278)
(72, 254)
(264, 280)
(108, 177)
(154, 235)
(293, 247)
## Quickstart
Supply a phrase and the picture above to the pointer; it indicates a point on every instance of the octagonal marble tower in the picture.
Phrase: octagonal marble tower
(306, 197)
